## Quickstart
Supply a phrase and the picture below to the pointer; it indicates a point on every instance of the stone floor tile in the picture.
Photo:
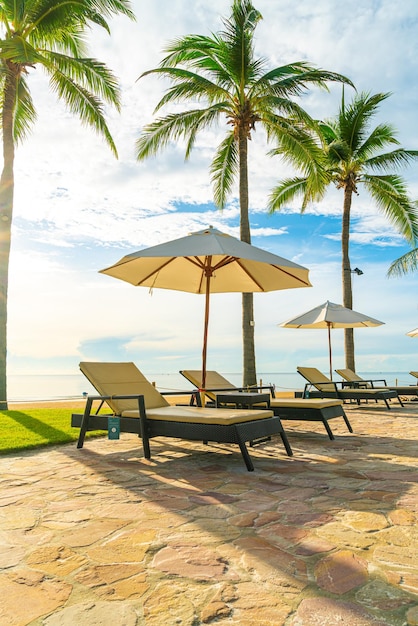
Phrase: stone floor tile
(324, 537)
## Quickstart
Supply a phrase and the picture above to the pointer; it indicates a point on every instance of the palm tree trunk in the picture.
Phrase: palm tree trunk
(346, 278)
(249, 373)
(6, 211)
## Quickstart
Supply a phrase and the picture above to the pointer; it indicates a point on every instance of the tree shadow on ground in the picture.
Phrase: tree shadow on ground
(335, 521)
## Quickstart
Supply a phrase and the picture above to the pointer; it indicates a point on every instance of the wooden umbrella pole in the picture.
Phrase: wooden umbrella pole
(329, 349)
(208, 274)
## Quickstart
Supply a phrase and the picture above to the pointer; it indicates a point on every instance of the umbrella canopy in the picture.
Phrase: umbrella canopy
(205, 262)
(413, 333)
(330, 315)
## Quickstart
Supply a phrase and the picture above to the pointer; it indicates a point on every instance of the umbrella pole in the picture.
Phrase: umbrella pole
(205, 337)
(329, 349)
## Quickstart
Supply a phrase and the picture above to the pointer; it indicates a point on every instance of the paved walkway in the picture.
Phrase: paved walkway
(101, 537)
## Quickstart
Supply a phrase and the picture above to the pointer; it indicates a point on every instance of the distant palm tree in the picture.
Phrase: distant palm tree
(347, 153)
(406, 264)
(49, 34)
(237, 89)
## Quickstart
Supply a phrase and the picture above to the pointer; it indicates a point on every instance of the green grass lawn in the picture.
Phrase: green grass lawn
(35, 428)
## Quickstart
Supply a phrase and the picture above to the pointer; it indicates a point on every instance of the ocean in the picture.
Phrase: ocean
(38, 387)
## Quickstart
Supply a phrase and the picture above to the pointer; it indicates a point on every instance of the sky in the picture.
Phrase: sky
(78, 209)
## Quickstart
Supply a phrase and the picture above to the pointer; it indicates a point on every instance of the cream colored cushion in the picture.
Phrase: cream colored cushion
(213, 381)
(202, 415)
(122, 379)
(300, 403)
(317, 378)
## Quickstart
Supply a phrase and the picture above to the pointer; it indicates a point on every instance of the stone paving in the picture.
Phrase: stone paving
(100, 536)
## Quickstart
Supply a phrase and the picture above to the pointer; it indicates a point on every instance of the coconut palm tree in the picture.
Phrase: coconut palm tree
(47, 34)
(347, 153)
(237, 89)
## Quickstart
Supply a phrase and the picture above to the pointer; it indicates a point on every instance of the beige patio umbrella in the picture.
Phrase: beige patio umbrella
(205, 262)
(330, 315)
(413, 333)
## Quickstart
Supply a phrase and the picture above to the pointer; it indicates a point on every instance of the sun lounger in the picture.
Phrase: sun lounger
(356, 381)
(327, 388)
(142, 410)
(314, 409)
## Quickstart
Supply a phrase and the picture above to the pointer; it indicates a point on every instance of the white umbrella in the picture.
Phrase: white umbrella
(330, 315)
(413, 333)
(209, 261)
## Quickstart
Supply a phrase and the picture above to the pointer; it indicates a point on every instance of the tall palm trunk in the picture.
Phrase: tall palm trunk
(249, 373)
(6, 211)
(346, 277)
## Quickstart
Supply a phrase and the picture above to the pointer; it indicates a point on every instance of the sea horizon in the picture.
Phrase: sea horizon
(49, 387)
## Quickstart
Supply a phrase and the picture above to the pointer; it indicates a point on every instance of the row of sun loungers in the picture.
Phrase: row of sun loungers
(140, 409)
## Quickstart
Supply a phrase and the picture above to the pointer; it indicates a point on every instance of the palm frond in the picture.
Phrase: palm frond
(238, 38)
(286, 192)
(171, 128)
(406, 264)
(273, 110)
(82, 103)
(390, 195)
(187, 85)
(224, 169)
(189, 50)
(19, 51)
(380, 137)
(301, 149)
(25, 115)
(204, 120)
(395, 159)
(89, 73)
(208, 55)
(354, 118)
(296, 78)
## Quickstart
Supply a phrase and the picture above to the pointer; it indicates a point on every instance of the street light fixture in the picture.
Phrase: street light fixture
(357, 271)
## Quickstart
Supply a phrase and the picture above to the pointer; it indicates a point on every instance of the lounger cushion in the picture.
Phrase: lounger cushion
(200, 415)
(122, 379)
(362, 392)
(300, 403)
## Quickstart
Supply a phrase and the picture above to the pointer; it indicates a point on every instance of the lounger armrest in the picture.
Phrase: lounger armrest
(355, 384)
(193, 395)
(91, 399)
(177, 393)
(242, 389)
(196, 397)
(308, 387)
(142, 418)
(382, 381)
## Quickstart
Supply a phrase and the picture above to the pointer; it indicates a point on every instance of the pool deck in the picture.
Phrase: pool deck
(101, 536)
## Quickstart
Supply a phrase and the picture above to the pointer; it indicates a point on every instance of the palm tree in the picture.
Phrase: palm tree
(47, 34)
(235, 88)
(347, 154)
(406, 264)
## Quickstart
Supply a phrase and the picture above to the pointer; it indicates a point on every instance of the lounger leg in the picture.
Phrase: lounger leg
(144, 428)
(247, 459)
(328, 429)
(400, 401)
(286, 444)
(84, 423)
(345, 418)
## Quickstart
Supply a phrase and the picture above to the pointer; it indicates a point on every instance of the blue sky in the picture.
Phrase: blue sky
(78, 210)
